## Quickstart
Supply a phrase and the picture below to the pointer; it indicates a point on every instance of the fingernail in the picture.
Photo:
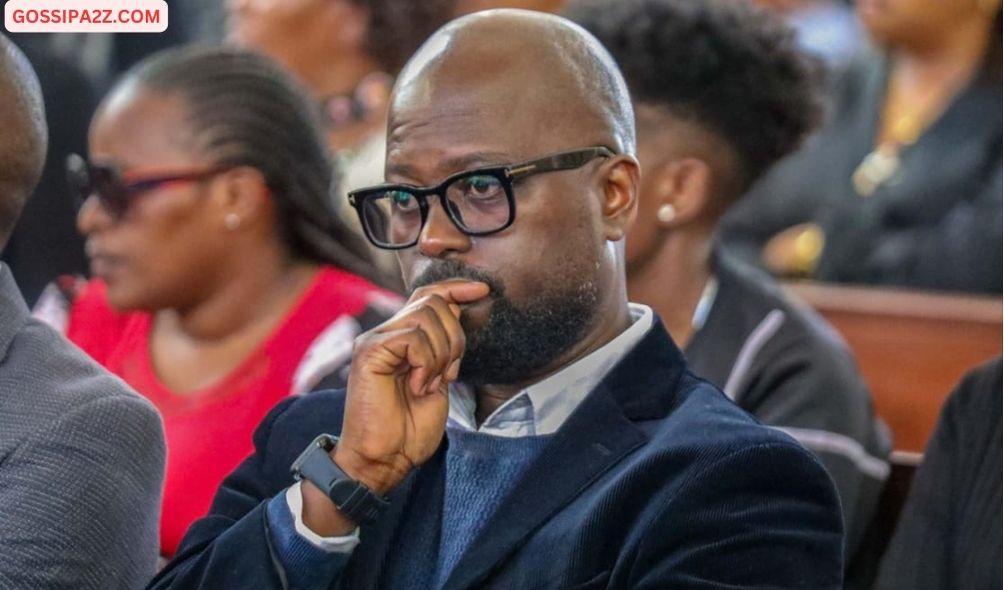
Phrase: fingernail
(454, 371)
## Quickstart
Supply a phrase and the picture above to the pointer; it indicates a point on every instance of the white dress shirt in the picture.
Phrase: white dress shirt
(538, 410)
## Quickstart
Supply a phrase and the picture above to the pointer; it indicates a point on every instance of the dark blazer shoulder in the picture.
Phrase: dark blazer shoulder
(707, 420)
(292, 424)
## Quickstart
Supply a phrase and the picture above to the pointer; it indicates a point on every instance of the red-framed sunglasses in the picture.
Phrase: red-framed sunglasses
(115, 193)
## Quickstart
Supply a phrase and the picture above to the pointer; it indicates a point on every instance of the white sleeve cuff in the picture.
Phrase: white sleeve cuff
(345, 544)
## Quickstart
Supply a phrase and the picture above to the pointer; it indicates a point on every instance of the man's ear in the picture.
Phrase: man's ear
(621, 183)
(683, 192)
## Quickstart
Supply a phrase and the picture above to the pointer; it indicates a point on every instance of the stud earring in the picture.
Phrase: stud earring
(232, 221)
(666, 213)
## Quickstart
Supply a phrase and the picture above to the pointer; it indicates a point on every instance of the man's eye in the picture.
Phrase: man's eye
(402, 201)
(481, 187)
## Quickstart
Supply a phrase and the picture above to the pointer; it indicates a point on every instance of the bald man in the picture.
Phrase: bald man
(81, 455)
(518, 424)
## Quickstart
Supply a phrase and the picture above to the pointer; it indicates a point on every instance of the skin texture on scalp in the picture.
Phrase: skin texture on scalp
(23, 134)
(557, 73)
(464, 97)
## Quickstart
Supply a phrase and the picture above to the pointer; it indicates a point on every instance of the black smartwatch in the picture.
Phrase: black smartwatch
(357, 502)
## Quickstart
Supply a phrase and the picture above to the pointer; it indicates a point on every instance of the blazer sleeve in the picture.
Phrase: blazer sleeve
(764, 516)
(814, 394)
(233, 546)
(80, 499)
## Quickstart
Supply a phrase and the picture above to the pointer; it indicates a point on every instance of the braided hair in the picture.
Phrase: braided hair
(245, 110)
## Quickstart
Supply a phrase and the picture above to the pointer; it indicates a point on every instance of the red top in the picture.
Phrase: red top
(209, 430)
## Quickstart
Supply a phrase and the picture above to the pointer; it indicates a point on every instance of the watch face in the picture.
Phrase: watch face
(324, 441)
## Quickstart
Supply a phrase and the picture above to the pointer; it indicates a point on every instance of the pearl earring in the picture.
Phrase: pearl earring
(666, 213)
(232, 221)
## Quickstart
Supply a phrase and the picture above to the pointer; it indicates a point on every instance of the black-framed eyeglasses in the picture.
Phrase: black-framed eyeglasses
(479, 202)
(113, 192)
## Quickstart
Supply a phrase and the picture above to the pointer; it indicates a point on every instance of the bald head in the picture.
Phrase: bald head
(23, 134)
(508, 107)
(520, 70)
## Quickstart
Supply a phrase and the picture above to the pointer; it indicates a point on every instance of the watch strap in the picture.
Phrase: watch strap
(353, 499)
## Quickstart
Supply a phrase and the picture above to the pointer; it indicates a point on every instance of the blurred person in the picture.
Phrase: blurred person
(347, 53)
(45, 243)
(223, 281)
(903, 186)
(469, 6)
(949, 533)
(81, 455)
(518, 424)
(203, 21)
(827, 29)
(734, 96)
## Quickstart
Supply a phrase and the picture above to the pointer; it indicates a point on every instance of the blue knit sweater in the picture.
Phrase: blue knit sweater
(481, 469)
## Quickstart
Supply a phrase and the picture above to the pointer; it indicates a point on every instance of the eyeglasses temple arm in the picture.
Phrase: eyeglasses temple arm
(563, 161)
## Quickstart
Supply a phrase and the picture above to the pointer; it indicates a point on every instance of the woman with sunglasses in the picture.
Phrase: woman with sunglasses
(223, 282)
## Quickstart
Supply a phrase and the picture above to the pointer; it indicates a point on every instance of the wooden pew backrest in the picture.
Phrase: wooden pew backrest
(912, 348)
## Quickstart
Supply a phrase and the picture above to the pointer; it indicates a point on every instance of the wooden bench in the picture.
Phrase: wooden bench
(911, 347)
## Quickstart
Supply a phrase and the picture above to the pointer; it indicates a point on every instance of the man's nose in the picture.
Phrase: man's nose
(440, 235)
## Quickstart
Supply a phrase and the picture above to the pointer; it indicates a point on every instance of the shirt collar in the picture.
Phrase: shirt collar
(543, 407)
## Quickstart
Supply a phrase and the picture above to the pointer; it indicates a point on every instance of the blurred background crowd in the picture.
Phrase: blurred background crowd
(872, 162)
(898, 186)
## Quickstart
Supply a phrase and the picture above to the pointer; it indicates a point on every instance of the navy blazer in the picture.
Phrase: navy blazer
(655, 481)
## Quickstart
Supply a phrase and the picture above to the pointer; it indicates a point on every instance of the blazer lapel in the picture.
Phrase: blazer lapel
(596, 436)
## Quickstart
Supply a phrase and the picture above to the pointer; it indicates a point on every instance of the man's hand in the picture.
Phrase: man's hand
(397, 400)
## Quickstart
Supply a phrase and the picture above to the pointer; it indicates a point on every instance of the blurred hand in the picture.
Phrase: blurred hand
(397, 395)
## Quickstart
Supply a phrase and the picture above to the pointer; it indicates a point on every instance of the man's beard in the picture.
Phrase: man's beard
(518, 341)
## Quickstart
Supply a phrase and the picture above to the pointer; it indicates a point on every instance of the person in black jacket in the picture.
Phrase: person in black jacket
(518, 424)
(949, 534)
(734, 96)
(902, 187)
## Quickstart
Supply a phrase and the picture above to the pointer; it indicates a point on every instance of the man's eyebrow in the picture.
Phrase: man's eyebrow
(453, 165)
(476, 160)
